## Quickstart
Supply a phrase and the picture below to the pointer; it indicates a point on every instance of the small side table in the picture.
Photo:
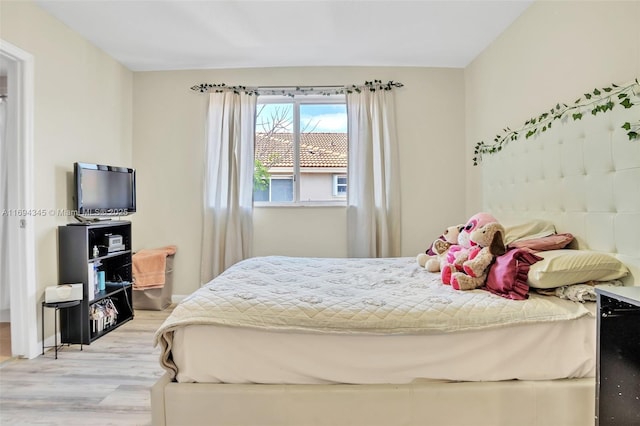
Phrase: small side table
(57, 306)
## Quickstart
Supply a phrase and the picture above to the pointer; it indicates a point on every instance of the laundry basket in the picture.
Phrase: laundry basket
(156, 299)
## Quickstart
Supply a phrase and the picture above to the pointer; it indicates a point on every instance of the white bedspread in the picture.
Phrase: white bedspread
(371, 296)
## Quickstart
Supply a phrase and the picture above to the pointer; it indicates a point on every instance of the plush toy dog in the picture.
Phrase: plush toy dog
(439, 247)
(467, 264)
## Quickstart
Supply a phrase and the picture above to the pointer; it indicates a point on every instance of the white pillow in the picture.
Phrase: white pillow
(532, 229)
(565, 266)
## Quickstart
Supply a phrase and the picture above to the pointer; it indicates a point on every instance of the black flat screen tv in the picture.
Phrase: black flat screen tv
(101, 190)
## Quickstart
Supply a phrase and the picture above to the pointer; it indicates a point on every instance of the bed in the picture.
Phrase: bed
(329, 356)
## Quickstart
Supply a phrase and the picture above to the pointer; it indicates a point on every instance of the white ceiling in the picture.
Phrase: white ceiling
(184, 34)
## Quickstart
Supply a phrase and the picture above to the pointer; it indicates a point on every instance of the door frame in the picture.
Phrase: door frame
(22, 278)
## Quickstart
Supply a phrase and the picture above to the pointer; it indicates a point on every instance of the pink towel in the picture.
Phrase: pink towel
(149, 267)
(508, 275)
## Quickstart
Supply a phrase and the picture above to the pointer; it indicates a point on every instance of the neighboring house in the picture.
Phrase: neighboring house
(323, 166)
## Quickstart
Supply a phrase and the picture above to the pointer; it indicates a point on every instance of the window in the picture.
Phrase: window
(277, 189)
(301, 150)
(340, 185)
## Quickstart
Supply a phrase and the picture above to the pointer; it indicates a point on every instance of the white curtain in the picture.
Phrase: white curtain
(228, 182)
(373, 196)
(5, 298)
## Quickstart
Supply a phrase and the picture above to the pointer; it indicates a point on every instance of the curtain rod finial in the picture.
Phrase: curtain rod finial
(202, 88)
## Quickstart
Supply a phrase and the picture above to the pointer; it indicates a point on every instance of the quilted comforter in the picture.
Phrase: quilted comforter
(320, 295)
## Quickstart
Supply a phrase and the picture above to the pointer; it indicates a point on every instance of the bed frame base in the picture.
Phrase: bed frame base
(525, 403)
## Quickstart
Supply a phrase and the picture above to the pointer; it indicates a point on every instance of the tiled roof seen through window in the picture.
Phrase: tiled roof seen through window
(316, 149)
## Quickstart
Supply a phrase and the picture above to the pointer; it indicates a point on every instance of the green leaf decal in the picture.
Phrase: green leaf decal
(598, 101)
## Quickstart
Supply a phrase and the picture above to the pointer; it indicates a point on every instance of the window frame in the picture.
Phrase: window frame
(278, 177)
(297, 101)
(336, 185)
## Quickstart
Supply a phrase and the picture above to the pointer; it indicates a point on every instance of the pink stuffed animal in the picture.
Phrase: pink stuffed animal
(467, 264)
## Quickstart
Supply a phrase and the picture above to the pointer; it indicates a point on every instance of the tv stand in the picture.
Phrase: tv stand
(86, 322)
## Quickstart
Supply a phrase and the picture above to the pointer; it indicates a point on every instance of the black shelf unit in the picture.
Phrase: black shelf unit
(618, 356)
(75, 257)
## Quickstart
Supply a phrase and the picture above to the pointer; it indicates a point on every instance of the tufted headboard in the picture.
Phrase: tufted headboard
(583, 175)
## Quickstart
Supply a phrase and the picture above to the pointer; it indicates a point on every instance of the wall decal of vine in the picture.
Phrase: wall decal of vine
(595, 102)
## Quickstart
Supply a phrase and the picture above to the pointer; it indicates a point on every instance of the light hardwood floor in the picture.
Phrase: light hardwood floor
(107, 383)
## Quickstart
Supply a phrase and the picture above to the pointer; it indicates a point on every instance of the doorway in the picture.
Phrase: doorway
(6, 118)
(17, 242)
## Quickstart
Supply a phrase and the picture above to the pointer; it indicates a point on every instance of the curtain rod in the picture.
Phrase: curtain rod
(297, 90)
(337, 86)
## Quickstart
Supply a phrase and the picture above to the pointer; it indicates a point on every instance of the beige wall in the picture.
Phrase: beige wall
(82, 112)
(168, 150)
(555, 52)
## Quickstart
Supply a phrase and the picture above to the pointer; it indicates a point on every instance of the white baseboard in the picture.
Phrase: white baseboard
(5, 315)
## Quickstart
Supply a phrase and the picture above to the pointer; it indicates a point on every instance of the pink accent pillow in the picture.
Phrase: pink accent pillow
(550, 242)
